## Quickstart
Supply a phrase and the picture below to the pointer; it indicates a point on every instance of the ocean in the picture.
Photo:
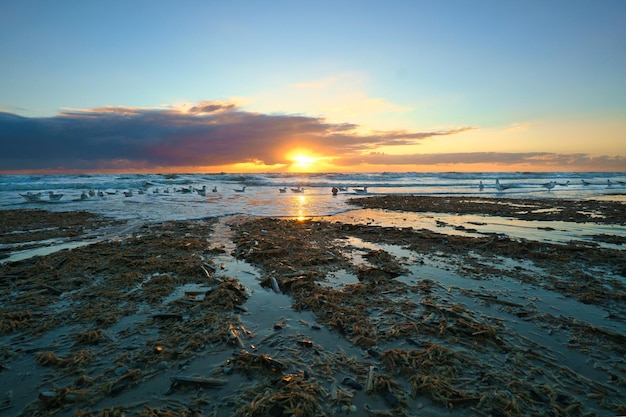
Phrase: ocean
(161, 197)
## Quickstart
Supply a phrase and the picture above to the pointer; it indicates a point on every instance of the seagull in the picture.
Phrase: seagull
(128, 193)
(360, 190)
(215, 189)
(30, 197)
(585, 182)
(501, 187)
(84, 196)
(242, 190)
(202, 191)
(100, 193)
(342, 188)
(609, 183)
(481, 186)
(563, 184)
(55, 197)
(298, 190)
(549, 185)
(283, 190)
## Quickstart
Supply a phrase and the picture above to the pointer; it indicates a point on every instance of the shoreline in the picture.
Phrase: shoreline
(259, 316)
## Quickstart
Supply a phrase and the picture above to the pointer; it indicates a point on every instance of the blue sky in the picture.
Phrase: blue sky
(505, 77)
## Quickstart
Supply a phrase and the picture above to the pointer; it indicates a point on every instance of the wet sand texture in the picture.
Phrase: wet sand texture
(274, 317)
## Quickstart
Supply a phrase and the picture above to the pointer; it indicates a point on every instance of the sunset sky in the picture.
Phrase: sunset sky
(334, 86)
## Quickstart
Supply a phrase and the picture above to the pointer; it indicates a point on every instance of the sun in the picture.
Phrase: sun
(302, 160)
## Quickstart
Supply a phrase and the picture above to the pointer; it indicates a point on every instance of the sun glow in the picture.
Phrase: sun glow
(302, 161)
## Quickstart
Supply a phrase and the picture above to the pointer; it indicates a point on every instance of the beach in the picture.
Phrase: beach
(500, 307)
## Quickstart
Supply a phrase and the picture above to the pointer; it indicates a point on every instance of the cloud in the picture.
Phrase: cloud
(214, 134)
(206, 134)
(340, 97)
(540, 160)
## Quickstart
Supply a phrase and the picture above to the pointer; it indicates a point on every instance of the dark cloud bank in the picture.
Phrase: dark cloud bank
(214, 134)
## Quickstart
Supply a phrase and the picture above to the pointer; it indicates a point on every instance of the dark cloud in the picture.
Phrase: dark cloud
(214, 134)
(208, 134)
(211, 107)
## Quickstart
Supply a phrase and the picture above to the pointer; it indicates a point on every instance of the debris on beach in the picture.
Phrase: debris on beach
(421, 322)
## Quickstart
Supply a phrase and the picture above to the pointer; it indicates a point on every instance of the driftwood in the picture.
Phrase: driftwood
(197, 381)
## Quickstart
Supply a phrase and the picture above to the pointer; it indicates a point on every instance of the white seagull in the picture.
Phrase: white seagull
(240, 190)
(201, 191)
(549, 185)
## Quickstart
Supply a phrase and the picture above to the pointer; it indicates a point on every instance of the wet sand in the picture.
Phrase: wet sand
(243, 316)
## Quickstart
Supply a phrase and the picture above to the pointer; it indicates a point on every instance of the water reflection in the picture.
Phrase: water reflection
(301, 203)
(473, 225)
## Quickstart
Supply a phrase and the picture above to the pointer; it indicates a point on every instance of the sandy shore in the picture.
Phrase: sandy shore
(320, 317)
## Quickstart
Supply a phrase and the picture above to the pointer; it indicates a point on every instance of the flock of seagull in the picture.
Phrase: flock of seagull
(85, 195)
(549, 185)
(39, 197)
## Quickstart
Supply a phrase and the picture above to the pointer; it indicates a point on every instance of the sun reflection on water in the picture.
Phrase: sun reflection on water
(301, 204)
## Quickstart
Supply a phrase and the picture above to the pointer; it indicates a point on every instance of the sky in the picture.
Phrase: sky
(324, 86)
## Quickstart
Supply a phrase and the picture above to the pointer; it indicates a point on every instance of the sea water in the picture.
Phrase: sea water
(160, 197)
